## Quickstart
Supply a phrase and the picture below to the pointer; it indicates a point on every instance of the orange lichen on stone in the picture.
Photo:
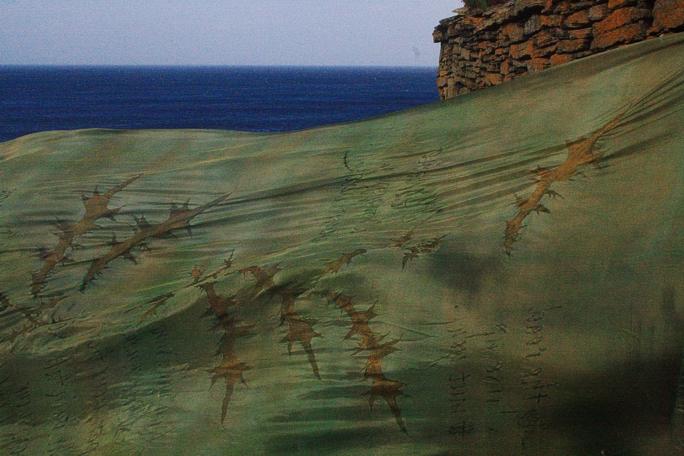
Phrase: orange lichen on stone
(538, 64)
(620, 18)
(623, 35)
(613, 4)
(577, 20)
(494, 78)
(668, 14)
(580, 152)
(504, 40)
(560, 59)
(623, 25)
(513, 32)
(519, 51)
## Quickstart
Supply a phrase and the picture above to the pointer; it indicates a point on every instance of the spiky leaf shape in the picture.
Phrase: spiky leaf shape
(264, 278)
(383, 387)
(346, 258)
(35, 317)
(156, 302)
(580, 152)
(179, 218)
(96, 207)
(300, 329)
(230, 369)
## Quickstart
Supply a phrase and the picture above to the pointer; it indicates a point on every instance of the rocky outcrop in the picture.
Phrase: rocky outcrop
(485, 48)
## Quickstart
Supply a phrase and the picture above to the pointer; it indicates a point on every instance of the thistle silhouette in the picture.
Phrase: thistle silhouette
(580, 152)
(346, 258)
(35, 317)
(381, 386)
(156, 302)
(264, 278)
(425, 247)
(399, 242)
(96, 207)
(300, 329)
(231, 368)
(179, 218)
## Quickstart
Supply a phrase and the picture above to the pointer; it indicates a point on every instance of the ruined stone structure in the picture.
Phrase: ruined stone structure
(485, 48)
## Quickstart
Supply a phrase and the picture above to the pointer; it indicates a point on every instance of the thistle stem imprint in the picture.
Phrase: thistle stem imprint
(96, 208)
(231, 368)
(264, 278)
(580, 152)
(179, 218)
(334, 266)
(156, 302)
(382, 386)
(300, 329)
(425, 247)
(400, 241)
(199, 279)
(35, 317)
(198, 276)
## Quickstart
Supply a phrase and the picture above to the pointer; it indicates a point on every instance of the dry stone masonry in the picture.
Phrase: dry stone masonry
(485, 48)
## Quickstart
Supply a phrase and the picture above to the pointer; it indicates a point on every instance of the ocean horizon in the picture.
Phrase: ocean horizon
(36, 98)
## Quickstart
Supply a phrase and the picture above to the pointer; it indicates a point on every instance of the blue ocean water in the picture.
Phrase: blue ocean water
(34, 99)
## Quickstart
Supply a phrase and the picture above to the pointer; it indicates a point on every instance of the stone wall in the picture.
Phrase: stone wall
(485, 48)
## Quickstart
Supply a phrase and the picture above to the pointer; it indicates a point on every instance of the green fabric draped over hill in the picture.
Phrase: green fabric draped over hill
(501, 273)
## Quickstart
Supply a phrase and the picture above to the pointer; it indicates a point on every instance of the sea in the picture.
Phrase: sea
(258, 99)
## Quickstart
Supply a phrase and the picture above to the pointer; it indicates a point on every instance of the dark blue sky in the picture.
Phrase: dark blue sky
(221, 32)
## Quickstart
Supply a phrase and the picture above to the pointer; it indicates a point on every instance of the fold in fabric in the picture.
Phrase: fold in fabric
(500, 273)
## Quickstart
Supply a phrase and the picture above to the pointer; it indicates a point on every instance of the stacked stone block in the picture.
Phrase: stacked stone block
(485, 48)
